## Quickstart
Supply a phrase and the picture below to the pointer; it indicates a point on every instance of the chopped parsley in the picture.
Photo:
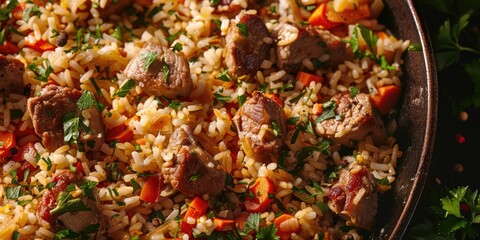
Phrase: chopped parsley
(293, 120)
(118, 33)
(40, 71)
(148, 58)
(175, 104)
(268, 232)
(165, 70)
(194, 178)
(241, 99)
(31, 11)
(252, 223)
(135, 185)
(5, 12)
(15, 235)
(86, 101)
(242, 27)
(174, 36)
(48, 161)
(125, 88)
(328, 112)
(177, 47)
(276, 129)
(71, 128)
(221, 98)
(13, 192)
(214, 2)
(223, 75)
(66, 203)
(353, 91)
(415, 47)
(2, 36)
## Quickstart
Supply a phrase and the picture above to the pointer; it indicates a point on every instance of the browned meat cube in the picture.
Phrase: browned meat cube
(48, 110)
(296, 44)
(114, 7)
(161, 72)
(354, 119)
(11, 75)
(354, 198)
(261, 125)
(247, 45)
(193, 170)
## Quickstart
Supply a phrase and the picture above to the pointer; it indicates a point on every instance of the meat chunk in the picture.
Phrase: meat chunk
(73, 220)
(49, 198)
(11, 75)
(295, 44)
(354, 197)
(247, 44)
(48, 111)
(261, 123)
(168, 74)
(355, 119)
(193, 170)
(114, 7)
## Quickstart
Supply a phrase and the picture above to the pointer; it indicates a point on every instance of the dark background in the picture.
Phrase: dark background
(456, 155)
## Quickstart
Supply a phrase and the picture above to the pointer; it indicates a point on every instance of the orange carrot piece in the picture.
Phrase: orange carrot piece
(319, 17)
(196, 209)
(387, 98)
(120, 133)
(152, 188)
(307, 78)
(260, 189)
(223, 224)
(274, 98)
(285, 234)
(40, 45)
(7, 142)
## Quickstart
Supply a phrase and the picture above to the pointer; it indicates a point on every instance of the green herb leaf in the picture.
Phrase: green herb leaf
(414, 47)
(148, 58)
(385, 65)
(276, 129)
(328, 112)
(118, 33)
(13, 192)
(125, 88)
(2, 36)
(223, 75)
(214, 2)
(293, 120)
(16, 235)
(322, 206)
(71, 128)
(174, 36)
(353, 91)
(5, 12)
(86, 101)
(252, 223)
(194, 178)
(241, 99)
(175, 104)
(220, 98)
(177, 47)
(34, 10)
(135, 185)
(41, 72)
(242, 27)
(268, 232)
(165, 70)
(69, 204)
(369, 37)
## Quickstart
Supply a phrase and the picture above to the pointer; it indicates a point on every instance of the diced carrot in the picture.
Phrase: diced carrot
(9, 48)
(25, 149)
(382, 35)
(319, 17)
(307, 78)
(260, 189)
(38, 45)
(223, 224)
(347, 16)
(141, 141)
(386, 99)
(196, 209)
(282, 232)
(121, 133)
(152, 188)
(7, 142)
(275, 98)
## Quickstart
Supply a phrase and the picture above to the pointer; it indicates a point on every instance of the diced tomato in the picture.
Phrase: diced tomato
(25, 149)
(274, 98)
(49, 199)
(38, 45)
(17, 12)
(260, 190)
(7, 142)
(319, 17)
(152, 188)
(23, 168)
(196, 209)
(285, 232)
(9, 48)
(22, 133)
(79, 167)
(121, 133)
(223, 224)
(307, 78)
(386, 99)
